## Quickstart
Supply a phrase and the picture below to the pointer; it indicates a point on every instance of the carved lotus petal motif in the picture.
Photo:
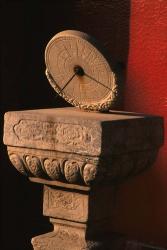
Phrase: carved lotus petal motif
(71, 171)
(17, 163)
(89, 173)
(34, 165)
(52, 168)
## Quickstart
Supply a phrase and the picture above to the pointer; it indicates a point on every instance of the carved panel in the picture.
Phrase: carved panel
(58, 199)
(65, 205)
(50, 132)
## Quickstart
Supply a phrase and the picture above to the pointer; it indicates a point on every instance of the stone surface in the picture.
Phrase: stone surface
(77, 147)
(74, 131)
(75, 236)
(65, 204)
(74, 204)
(79, 169)
(67, 237)
(78, 156)
(80, 217)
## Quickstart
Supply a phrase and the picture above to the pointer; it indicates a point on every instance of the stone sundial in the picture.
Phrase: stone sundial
(80, 71)
(79, 156)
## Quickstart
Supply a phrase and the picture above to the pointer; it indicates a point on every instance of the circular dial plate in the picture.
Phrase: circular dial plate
(95, 88)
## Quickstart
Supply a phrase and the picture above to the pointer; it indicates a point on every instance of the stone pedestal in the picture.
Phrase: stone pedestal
(79, 215)
(78, 156)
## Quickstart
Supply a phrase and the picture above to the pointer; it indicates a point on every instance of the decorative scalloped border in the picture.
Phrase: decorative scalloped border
(68, 170)
(71, 170)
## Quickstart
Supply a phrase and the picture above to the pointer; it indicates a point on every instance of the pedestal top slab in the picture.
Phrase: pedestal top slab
(74, 131)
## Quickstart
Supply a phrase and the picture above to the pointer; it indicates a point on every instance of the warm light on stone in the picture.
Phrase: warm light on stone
(77, 156)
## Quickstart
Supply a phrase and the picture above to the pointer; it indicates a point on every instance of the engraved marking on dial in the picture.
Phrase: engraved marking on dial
(81, 91)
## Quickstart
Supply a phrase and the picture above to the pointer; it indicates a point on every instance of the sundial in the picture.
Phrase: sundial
(78, 156)
(80, 71)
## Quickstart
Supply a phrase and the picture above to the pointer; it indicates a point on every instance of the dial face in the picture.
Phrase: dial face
(78, 71)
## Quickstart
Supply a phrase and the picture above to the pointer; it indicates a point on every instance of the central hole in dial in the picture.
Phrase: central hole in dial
(78, 70)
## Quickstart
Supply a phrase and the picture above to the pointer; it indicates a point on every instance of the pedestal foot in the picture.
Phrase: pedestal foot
(72, 238)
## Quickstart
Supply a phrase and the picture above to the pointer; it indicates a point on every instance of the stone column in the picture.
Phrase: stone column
(78, 156)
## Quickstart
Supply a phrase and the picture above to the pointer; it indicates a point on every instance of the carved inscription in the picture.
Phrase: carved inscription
(50, 132)
(98, 89)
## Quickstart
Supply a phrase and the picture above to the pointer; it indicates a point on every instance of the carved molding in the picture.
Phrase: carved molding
(62, 167)
(63, 200)
(80, 170)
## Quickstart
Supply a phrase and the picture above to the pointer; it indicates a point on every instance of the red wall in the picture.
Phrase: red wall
(142, 201)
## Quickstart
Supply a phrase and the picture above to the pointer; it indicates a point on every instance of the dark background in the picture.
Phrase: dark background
(26, 28)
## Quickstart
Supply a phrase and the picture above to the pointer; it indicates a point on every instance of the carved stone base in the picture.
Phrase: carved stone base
(73, 237)
(79, 214)
(78, 156)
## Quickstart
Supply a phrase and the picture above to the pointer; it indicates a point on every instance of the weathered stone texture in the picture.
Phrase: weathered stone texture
(65, 204)
(71, 130)
(78, 156)
(73, 237)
